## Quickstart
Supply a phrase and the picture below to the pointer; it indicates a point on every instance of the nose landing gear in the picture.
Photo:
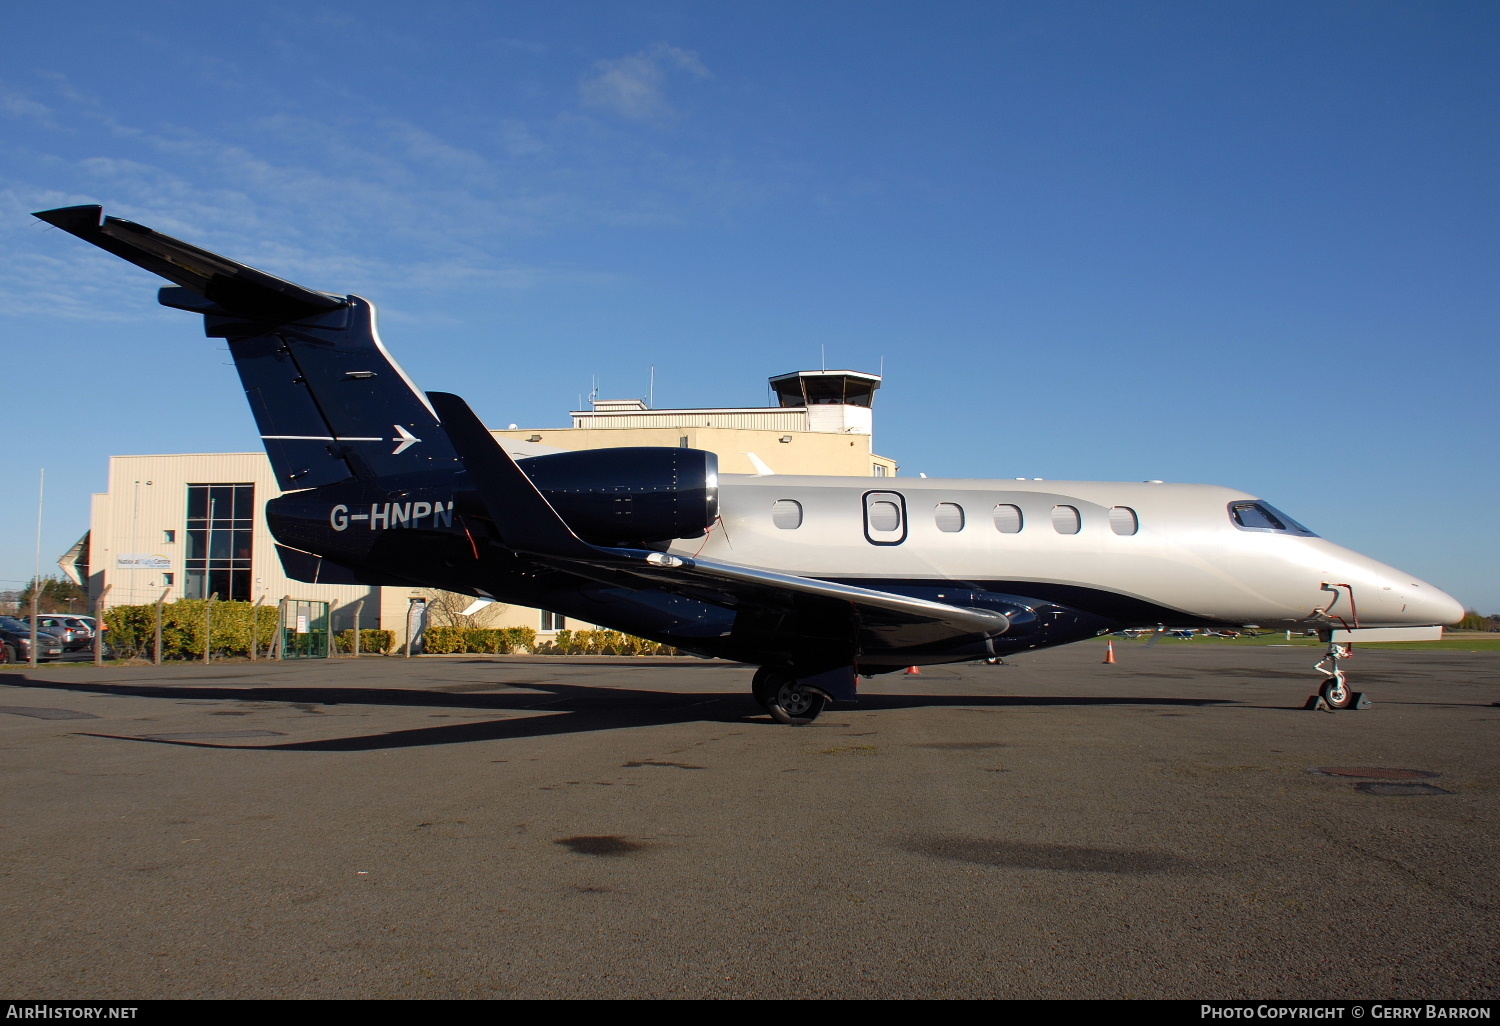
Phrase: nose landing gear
(1335, 692)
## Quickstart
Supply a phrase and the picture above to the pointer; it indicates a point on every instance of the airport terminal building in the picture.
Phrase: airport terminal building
(191, 525)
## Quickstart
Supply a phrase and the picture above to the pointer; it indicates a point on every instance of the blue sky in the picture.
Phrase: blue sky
(1250, 244)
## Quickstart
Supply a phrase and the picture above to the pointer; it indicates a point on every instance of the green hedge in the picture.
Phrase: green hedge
(132, 629)
(495, 641)
(604, 643)
(370, 640)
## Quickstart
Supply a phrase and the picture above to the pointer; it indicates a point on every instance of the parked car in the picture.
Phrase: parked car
(15, 642)
(72, 631)
(88, 621)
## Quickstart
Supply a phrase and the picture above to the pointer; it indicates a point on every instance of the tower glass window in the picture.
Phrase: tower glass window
(220, 525)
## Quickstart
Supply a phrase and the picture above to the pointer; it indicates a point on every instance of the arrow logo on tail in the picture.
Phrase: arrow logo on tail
(406, 439)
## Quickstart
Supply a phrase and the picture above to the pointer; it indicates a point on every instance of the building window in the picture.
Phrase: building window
(1008, 518)
(949, 517)
(881, 470)
(1065, 519)
(553, 621)
(169, 537)
(220, 526)
(167, 580)
(786, 514)
(1123, 521)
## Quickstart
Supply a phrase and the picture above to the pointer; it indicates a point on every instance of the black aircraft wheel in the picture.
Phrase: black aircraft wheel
(781, 695)
(766, 683)
(1336, 693)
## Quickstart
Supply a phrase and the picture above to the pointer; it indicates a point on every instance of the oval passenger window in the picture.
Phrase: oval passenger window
(949, 517)
(884, 516)
(1065, 519)
(786, 514)
(1122, 520)
(1008, 518)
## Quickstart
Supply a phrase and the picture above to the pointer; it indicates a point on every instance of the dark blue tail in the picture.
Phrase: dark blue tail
(329, 401)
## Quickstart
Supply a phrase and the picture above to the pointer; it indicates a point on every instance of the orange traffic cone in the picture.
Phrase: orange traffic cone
(910, 670)
(1109, 652)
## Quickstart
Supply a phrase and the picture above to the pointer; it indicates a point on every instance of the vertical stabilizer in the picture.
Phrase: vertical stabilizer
(329, 401)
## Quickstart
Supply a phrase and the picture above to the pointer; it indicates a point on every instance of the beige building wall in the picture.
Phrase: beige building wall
(784, 452)
(145, 513)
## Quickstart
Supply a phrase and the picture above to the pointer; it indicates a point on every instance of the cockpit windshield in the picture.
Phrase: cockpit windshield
(1262, 516)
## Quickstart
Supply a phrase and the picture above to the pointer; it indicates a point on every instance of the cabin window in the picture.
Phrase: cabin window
(1008, 518)
(949, 517)
(786, 514)
(885, 518)
(1123, 521)
(1065, 519)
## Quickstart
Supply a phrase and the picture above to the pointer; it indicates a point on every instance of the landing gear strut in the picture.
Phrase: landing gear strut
(1335, 692)
(785, 698)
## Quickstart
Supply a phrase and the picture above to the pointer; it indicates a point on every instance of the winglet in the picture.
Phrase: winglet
(526, 520)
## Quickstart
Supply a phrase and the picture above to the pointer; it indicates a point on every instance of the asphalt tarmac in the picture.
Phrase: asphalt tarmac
(548, 827)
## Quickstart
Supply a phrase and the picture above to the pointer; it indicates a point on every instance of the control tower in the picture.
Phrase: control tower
(834, 400)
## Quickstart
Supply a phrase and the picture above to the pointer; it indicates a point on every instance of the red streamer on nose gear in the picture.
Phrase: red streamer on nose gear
(1353, 611)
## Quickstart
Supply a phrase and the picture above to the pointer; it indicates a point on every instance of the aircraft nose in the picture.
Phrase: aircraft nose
(1430, 605)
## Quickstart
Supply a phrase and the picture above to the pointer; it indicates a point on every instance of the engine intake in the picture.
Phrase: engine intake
(637, 495)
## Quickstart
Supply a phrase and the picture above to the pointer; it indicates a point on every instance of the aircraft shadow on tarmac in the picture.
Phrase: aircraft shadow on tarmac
(560, 709)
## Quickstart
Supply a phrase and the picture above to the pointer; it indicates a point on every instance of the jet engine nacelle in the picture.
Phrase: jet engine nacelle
(630, 496)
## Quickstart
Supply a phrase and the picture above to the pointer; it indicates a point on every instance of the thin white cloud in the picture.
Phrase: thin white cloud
(349, 199)
(19, 105)
(635, 87)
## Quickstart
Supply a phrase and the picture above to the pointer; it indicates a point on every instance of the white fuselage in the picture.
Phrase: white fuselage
(1186, 554)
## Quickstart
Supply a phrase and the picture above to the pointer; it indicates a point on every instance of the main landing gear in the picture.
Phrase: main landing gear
(1335, 692)
(786, 698)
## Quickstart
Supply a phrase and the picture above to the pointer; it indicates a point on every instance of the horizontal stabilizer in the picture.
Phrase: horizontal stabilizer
(234, 287)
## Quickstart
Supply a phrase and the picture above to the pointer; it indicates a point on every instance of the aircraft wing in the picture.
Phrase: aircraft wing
(528, 524)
